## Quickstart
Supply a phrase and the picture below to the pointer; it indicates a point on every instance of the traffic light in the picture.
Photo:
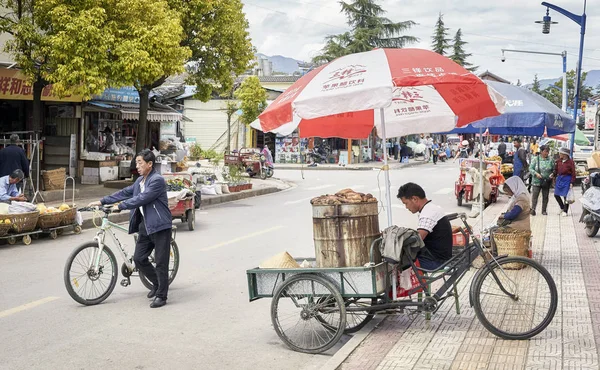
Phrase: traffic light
(583, 105)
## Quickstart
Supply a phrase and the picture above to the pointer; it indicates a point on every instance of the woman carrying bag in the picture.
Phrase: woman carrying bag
(564, 172)
(541, 169)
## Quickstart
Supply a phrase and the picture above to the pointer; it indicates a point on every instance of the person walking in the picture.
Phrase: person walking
(502, 150)
(151, 219)
(13, 158)
(435, 151)
(541, 168)
(564, 173)
(520, 166)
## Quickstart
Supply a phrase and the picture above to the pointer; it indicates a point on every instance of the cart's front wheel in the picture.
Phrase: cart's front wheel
(514, 297)
(459, 198)
(308, 313)
(77, 229)
(27, 240)
(53, 234)
(191, 219)
(12, 240)
(591, 229)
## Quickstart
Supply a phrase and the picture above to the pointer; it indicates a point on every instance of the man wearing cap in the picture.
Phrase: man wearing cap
(13, 158)
(8, 187)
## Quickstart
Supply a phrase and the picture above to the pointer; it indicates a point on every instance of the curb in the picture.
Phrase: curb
(342, 354)
(393, 166)
(214, 200)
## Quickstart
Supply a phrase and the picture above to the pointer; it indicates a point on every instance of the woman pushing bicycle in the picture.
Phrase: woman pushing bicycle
(151, 219)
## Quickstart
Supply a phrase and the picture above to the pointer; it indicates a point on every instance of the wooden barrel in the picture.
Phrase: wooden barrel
(343, 234)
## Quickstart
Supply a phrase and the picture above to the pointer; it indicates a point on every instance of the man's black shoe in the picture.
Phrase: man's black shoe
(152, 292)
(158, 302)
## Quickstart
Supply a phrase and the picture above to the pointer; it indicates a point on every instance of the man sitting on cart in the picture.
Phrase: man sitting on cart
(434, 227)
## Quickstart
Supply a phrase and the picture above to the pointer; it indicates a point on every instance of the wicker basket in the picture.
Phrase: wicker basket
(68, 217)
(514, 243)
(54, 179)
(5, 228)
(24, 222)
(49, 220)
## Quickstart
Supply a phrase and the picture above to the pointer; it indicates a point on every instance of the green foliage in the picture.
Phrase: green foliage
(555, 94)
(253, 99)
(459, 55)
(440, 41)
(235, 173)
(210, 154)
(196, 150)
(370, 29)
(216, 32)
(536, 85)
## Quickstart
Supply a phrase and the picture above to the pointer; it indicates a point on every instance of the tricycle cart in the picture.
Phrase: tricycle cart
(463, 189)
(249, 159)
(513, 297)
(183, 209)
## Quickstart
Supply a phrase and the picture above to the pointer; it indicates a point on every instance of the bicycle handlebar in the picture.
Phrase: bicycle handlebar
(454, 216)
(106, 209)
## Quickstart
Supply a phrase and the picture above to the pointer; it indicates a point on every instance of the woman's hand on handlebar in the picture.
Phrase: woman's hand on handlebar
(95, 204)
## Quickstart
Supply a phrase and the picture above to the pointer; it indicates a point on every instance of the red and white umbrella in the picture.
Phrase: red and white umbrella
(418, 90)
(398, 91)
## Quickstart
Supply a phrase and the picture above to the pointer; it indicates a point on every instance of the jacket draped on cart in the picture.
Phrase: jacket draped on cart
(153, 201)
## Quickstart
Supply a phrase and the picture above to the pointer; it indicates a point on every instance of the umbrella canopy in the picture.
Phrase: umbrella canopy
(417, 91)
(526, 113)
(580, 138)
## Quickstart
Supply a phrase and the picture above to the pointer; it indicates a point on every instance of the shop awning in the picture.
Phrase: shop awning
(131, 112)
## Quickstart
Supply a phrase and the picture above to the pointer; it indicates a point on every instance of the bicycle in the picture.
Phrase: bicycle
(95, 264)
(513, 297)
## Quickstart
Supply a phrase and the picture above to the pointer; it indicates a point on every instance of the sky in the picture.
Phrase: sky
(297, 28)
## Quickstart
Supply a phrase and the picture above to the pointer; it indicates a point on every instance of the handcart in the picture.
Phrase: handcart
(22, 225)
(463, 189)
(183, 209)
(66, 220)
(313, 307)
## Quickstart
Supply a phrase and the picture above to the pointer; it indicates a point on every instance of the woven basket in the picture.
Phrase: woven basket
(513, 243)
(49, 220)
(24, 222)
(5, 228)
(54, 179)
(68, 217)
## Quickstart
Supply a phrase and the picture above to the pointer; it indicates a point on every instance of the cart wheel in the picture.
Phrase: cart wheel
(12, 240)
(60, 231)
(27, 240)
(459, 198)
(308, 313)
(355, 320)
(191, 219)
(77, 229)
(53, 234)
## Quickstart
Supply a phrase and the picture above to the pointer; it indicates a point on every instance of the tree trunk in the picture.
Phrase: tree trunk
(38, 108)
(142, 140)
(228, 146)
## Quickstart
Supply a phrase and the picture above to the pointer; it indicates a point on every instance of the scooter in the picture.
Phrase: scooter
(264, 167)
(590, 203)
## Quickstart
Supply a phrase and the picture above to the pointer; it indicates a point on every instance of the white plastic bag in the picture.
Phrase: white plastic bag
(571, 196)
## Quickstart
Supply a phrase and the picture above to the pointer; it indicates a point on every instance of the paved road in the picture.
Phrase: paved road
(208, 322)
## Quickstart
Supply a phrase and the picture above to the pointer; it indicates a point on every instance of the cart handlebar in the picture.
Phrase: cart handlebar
(454, 216)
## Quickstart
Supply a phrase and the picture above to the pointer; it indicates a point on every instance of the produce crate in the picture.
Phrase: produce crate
(54, 179)
(68, 217)
(4, 229)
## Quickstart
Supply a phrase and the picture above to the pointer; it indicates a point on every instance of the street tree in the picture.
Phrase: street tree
(369, 30)
(231, 107)
(459, 55)
(535, 87)
(440, 41)
(253, 99)
(554, 92)
(28, 45)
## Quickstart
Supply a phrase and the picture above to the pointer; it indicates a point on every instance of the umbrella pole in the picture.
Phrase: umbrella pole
(481, 158)
(386, 170)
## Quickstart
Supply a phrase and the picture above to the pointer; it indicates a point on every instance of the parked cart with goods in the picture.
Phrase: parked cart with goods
(467, 184)
(181, 194)
(353, 277)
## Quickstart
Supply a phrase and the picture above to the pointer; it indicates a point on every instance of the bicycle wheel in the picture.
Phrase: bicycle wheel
(355, 320)
(82, 283)
(304, 324)
(515, 298)
(173, 265)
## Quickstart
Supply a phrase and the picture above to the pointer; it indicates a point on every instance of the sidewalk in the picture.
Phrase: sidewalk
(394, 165)
(86, 194)
(451, 341)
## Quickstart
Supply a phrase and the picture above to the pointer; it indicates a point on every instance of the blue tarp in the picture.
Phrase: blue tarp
(526, 114)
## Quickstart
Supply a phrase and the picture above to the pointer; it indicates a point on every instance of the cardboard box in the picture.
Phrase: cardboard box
(591, 163)
(596, 158)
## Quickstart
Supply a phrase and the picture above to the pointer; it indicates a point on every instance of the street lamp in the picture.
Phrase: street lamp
(564, 59)
(580, 20)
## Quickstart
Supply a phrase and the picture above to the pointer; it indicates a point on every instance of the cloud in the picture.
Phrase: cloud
(297, 28)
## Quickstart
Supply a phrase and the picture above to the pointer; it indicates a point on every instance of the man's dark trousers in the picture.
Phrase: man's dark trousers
(160, 242)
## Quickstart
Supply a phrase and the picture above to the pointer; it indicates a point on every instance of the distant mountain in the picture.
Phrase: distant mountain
(592, 80)
(283, 64)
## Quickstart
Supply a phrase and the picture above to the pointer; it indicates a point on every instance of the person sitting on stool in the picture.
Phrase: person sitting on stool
(8, 187)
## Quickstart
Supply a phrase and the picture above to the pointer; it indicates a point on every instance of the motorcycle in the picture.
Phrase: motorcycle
(318, 155)
(263, 167)
(590, 203)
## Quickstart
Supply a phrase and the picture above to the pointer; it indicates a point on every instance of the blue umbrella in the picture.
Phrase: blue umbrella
(526, 113)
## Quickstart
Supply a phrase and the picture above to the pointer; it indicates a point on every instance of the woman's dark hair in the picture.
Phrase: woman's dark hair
(147, 156)
(409, 190)
(544, 147)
